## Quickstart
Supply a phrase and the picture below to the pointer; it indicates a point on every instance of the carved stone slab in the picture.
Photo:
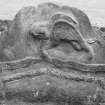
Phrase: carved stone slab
(51, 55)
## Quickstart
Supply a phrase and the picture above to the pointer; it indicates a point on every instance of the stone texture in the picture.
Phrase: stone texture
(51, 55)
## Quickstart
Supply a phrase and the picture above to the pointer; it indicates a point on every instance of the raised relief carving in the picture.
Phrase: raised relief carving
(51, 55)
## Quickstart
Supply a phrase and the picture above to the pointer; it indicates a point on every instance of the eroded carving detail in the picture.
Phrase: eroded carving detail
(51, 54)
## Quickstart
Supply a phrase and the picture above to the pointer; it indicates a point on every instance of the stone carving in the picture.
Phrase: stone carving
(51, 55)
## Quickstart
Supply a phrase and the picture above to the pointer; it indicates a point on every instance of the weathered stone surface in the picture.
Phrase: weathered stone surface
(52, 55)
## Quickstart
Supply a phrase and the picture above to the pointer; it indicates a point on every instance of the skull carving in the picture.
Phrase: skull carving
(52, 55)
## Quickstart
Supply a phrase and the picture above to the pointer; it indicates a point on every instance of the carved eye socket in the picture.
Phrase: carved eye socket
(38, 36)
